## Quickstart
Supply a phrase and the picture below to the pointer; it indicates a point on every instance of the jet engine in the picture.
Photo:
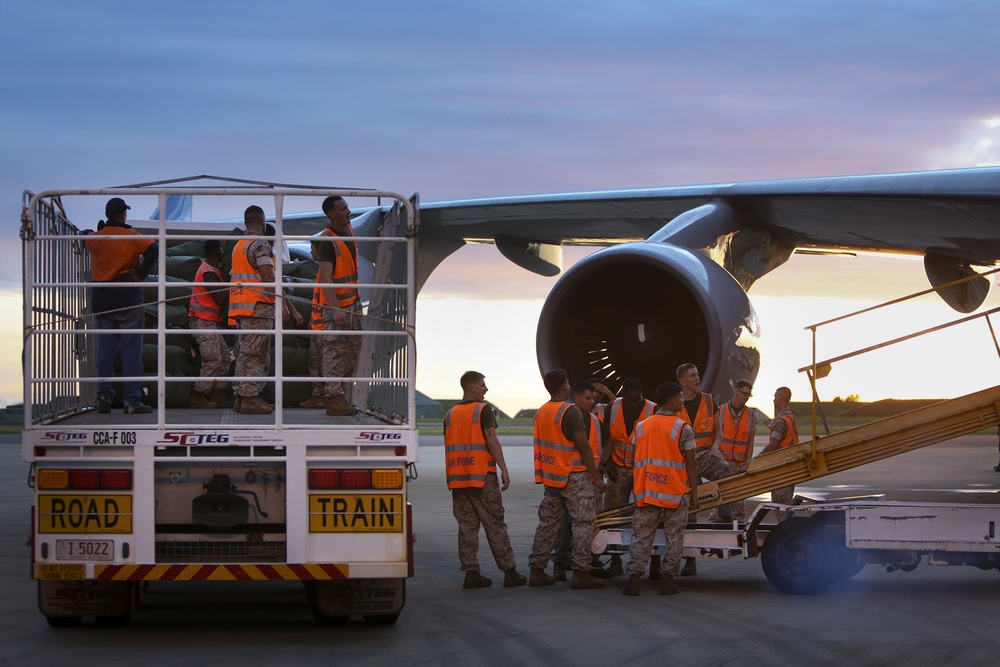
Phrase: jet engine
(643, 309)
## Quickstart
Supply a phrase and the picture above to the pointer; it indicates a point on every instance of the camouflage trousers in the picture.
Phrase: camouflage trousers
(254, 349)
(214, 354)
(619, 486)
(784, 496)
(577, 499)
(339, 354)
(316, 364)
(737, 509)
(644, 525)
(711, 467)
(473, 509)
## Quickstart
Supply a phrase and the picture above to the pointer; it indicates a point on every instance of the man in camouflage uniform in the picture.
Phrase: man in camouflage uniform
(472, 455)
(317, 398)
(339, 302)
(784, 433)
(564, 463)
(665, 488)
(251, 308)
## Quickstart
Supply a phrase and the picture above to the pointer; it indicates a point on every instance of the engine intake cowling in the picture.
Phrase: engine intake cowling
(643, 309)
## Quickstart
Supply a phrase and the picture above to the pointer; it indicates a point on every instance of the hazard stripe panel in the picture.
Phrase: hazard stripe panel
(290, 571)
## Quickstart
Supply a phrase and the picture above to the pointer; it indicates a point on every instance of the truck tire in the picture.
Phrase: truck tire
(800, 556)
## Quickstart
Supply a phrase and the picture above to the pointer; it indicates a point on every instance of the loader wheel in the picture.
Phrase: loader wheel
(800, 556)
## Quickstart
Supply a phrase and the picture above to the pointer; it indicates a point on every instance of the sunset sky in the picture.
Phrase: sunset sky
(459, 99)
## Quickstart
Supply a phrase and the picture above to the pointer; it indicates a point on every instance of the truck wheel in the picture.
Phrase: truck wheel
(64, 621)
(800, 557)
(384, 619)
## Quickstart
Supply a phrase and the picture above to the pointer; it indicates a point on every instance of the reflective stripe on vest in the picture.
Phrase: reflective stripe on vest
(467, 459)
(244, 298)
(623, 447)
(201, 304)
(735, 443)
(660, 472)
(345, 272)
(704, 422)
(791, 433)
(555, 456)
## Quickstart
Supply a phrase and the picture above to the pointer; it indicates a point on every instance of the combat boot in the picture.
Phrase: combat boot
(690, 567)
(558, 571)
(219, 398)
(654, 567)
(253, 405)
(314, 402)
(615, 568)
(539, 578)
(667, 586)
(199, 401)
(513, 578)
(632, 587)
(237, 403)
(339, 407)
(584, 579)
(476, 580)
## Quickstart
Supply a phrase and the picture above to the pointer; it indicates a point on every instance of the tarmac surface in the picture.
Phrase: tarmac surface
(728, 614)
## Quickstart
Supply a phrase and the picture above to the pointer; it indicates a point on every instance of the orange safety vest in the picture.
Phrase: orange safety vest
(704, 422)
(600, 409)
(201, 305)
(467, 459)
(555, 456)
(110, 259)
(345, 271)
(791, 433)
(243, 299)
(595, 436)
(622, 454)
(735, 435)
(660, 472)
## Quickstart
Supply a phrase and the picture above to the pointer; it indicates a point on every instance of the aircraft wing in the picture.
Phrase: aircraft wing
(950, 212)
(697, 249)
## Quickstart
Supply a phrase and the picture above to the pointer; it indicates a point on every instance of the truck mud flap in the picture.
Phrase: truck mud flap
(358, 596)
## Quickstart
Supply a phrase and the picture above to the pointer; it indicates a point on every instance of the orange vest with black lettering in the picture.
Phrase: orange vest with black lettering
(659, 476)
(623, 445)
(345, 272)
(467, 459)
(735, 444)
(791, 433)
(704, 422)
(555, 456)
(201, 305)
(244, 298)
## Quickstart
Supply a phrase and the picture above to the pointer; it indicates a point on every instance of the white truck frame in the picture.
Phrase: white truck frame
(125, 500)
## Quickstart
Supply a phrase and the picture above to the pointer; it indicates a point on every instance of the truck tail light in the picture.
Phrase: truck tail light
(116, 479)
(355, 478)
(324, 479)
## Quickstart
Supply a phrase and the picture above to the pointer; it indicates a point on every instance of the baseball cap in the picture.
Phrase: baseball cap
(116, 206)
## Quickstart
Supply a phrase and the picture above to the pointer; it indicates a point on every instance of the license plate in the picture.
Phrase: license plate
(356, 513)
(85, 550)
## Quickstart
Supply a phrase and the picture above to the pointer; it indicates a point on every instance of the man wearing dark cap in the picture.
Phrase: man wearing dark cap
(120, 262)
